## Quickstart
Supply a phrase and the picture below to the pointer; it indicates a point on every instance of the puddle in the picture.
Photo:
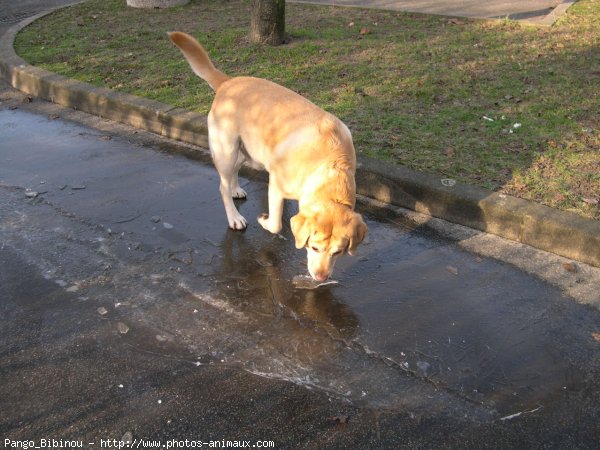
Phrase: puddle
(400, 323)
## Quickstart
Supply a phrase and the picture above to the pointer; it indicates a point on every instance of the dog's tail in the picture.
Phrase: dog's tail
(198, 59)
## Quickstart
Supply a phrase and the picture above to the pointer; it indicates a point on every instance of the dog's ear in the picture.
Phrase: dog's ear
(358, 233)
(301, 229)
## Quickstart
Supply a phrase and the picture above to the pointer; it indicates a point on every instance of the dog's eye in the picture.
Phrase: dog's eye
(336, 253)
(315, 249)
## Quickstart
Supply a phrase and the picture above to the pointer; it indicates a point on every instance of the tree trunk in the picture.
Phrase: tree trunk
(267, 22)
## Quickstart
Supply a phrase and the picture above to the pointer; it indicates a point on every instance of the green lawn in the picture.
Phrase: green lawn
(509, 107)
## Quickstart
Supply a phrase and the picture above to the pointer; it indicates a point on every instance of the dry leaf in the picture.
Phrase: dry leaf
(450, 152)
(340, 419)
(596, 336)
(364, 31)
(590, 201)
(570, 267)
(453, 270)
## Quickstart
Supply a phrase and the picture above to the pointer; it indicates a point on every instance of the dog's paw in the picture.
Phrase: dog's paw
(239, 193)
(264, 222)
(238, 222)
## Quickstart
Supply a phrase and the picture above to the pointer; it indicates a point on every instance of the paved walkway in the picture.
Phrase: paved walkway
(12, 12)
(544, 12)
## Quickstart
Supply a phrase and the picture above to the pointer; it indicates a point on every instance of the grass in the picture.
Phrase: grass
(416, 90)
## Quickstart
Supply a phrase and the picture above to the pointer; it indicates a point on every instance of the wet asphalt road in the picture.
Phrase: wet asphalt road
(128, 306)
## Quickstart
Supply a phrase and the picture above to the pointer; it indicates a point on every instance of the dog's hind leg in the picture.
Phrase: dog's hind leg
(237, 191)
(226, 154)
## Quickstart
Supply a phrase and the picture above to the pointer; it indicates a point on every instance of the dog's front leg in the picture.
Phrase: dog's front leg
(271, 221)
(235, 219)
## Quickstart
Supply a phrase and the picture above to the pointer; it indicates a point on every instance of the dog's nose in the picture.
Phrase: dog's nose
(321, 277)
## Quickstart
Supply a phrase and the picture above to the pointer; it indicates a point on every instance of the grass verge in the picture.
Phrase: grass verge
(505, 106)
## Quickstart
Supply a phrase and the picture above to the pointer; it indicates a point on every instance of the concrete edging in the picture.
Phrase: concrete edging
(166, 120)
(527, 222)
(556, 13)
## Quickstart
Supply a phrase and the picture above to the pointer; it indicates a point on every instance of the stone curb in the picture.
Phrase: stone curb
(559, 232)
(556, 13)
(166, 120)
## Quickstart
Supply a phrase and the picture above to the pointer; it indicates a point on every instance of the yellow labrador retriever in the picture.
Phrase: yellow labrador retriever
(308, 153)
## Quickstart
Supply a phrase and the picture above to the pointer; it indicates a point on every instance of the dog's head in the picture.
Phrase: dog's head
(327, 231)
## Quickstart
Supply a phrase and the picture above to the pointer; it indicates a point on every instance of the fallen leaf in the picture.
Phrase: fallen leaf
(559, 198)
(596, 336)
(364, 31)
(590, 201)
(264, 262)
(453, 270)
(127, 438)
(340, 419)
(450, 152)
(570, 267)
(351, 24)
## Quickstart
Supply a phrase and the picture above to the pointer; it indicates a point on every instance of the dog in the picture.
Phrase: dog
(308, 153)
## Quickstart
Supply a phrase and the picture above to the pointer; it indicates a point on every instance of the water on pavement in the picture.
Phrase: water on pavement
(139, 238)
